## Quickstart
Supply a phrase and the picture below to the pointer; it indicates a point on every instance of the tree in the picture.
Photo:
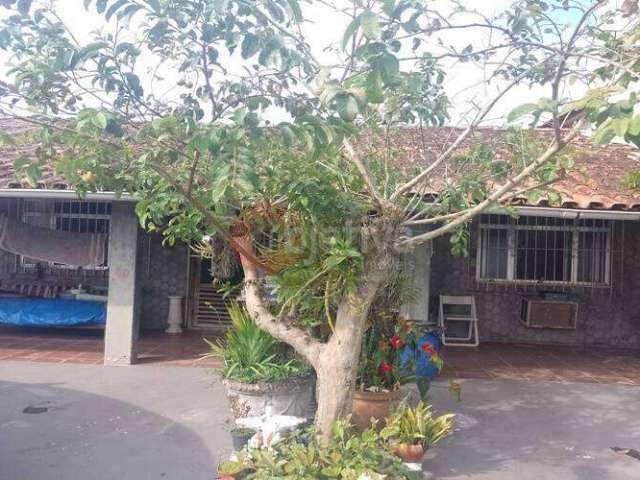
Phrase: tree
(207, 159)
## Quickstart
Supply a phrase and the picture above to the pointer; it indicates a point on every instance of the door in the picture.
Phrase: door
(208, 309)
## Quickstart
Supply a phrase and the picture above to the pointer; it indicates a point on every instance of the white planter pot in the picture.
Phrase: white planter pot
(291, 396)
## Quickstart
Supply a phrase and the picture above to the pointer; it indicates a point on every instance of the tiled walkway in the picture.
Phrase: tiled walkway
(489, 361)
(544, 363)
(86, 346)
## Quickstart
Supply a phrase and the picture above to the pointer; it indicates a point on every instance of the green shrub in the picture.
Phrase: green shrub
(345, 456)
(250, 354)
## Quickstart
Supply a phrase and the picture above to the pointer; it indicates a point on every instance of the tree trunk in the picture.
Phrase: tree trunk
(338, 360)
(336, 371)
(335, 362)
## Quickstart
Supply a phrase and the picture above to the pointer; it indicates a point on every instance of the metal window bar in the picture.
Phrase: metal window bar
(544, 250)
(76, 216)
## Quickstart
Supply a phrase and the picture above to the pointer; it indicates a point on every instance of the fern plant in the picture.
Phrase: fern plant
(251, 354)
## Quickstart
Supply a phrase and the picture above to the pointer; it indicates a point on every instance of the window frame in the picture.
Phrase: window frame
(575, 228)
(49, 210)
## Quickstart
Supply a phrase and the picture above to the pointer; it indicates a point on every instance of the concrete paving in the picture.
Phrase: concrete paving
(514, 430)
(81, 422)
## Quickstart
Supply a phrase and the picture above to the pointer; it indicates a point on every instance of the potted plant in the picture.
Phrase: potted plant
(394, 353)
(260, 372)
(411, 431)
(240, 436)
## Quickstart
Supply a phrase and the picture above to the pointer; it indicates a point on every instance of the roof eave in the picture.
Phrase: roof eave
(41, 193)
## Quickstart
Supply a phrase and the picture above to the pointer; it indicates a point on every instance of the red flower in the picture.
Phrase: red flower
(428, 348)
(396, 342)
(385, 368)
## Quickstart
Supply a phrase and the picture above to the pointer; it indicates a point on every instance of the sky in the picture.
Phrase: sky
(464, 84)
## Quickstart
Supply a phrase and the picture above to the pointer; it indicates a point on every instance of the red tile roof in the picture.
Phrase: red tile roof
(596, 181)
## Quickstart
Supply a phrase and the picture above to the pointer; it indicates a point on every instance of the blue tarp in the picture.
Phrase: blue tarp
(41, 312)
(424, 367)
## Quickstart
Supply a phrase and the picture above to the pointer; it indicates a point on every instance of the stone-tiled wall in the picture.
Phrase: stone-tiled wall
(162, 271)
(608, 317)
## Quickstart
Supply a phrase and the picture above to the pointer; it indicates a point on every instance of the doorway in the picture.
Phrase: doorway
(207, 306)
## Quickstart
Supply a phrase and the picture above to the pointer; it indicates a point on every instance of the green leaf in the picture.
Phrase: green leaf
(347, 107)
(115, 7)
(100, 120)
(220, 6)
(101, 5)
(370, 25)
(87, 4)
(155, 5)
(389, 68)
(24, 6)
(129, 11)
(373, 87)
(634, 126)
(620, 126)
(134, 83)
(350, 32)
(296, 10)
(604, 134)
(288, 136)
(250, 46)
(521, 110)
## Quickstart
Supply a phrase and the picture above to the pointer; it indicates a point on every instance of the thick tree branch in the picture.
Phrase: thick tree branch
(302, 342)
(401, 190)
(357, 160)
(495, 197)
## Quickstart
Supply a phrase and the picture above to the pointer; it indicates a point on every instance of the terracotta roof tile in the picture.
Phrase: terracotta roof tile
(602, 187)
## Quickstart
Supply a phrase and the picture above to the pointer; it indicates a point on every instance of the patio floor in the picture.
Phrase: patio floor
(544, 363)
(488, 361)
(86, 346)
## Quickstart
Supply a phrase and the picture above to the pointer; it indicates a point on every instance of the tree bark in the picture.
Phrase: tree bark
(336, 361)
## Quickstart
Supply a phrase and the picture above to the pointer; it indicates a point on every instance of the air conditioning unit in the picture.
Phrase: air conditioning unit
(543, 313)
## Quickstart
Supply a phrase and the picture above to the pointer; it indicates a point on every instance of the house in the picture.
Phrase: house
(583, 253)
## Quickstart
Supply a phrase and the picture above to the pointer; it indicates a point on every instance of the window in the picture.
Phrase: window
(544, 250)
(81, 217)
(74, 216)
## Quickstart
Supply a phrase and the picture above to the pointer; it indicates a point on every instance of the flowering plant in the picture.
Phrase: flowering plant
(395, 352)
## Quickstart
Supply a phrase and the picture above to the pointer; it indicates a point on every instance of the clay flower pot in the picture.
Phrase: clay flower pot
(409, 453)
(377, 405)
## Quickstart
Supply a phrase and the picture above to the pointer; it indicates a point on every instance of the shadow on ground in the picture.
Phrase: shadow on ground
(51, 431)
(510, 430)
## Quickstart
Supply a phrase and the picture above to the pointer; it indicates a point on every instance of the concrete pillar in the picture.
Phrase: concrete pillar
(418, 263)
(121, 331)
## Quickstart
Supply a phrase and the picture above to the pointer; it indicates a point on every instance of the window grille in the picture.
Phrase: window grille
(76, 216)
(544, 250)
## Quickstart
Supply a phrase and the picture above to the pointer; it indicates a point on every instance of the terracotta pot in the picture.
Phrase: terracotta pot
(377, 405)
(409, 453)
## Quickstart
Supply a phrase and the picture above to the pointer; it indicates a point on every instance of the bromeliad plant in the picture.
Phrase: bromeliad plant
(417, 426)
(252, 355)
(395, 353)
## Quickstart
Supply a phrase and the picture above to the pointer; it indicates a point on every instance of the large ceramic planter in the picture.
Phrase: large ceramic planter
(377, 405)
(291, 396)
